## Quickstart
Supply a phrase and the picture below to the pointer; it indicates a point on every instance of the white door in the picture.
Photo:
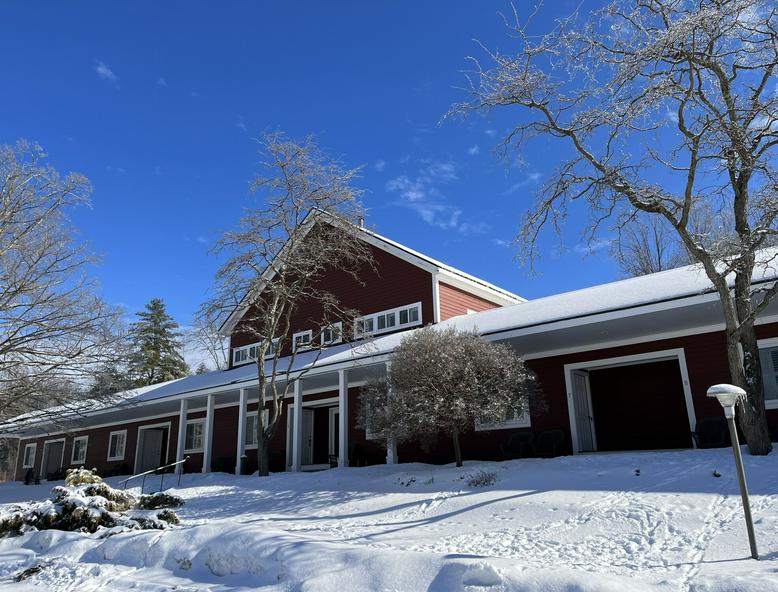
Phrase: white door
(582, 406)
(307, 436)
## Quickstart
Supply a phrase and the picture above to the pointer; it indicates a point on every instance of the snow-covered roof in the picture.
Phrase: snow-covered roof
(673, 288)
(664, 286)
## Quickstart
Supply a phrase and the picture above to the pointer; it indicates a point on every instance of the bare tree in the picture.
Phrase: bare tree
(204, 338)
(648, 245)
(54, 331)
(444, 381)
(306, 228)
(663, 107)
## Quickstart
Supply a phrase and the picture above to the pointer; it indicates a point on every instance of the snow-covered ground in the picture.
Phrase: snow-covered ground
(585, 523)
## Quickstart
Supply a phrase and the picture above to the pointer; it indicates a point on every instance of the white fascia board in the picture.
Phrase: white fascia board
(466, 281)
(240, 309)
(638, 310)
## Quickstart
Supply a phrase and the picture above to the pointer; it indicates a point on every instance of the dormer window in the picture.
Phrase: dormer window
(332, 334)
(302, 340)
(388, 320)
(249, 353)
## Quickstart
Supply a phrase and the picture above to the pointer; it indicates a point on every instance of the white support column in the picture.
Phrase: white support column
(241, 444)
(182, 415)
(296, 424)
(208, 435)
(391, 444)
(342, 418)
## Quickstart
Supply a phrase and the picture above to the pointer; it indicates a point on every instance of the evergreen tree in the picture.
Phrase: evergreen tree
(156, 349)
(202, 368)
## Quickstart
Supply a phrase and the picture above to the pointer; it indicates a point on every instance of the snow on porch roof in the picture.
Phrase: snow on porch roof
(620, 298)
(614, 297)
(666, 286)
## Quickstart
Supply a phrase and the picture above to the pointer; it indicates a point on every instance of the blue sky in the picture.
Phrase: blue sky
(158, 104)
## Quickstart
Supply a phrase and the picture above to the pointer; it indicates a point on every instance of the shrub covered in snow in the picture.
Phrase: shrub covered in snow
(89, 507)
(159, 500)
(81, 476)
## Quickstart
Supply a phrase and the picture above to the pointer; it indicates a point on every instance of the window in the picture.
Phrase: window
(116, 444)
(302, 340)
(388, 320)
(409, 316)
(29, 456)
(78, 455)
(364, 326)
(332, 334)
(195, 429)
(768, 356)
(249, 353)
(513, 419)
(252, 427)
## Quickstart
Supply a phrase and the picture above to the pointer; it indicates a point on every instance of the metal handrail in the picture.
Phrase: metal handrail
(150, 471)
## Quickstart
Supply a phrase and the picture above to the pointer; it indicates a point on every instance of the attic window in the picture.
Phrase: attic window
(249, 353)
(388, 320)
(332, 334)
(302, 340)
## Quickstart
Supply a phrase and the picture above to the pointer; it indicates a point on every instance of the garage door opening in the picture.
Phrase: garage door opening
(630, 403)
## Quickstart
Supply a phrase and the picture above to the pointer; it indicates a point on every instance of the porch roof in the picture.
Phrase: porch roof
(637, 308)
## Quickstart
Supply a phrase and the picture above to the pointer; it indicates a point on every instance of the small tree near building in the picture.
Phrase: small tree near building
(445, 381)
(306, 227)
(155, 346)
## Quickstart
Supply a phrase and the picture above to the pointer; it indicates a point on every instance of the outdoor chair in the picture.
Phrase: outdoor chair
(711, 432)
(550, 443)
(519, 445)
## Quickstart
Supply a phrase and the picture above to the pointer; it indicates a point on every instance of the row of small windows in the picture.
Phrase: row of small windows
(116, 444)
(388, 320)
(365, 326)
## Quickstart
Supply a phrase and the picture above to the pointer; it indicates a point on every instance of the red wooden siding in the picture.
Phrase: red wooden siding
(455, 301)
(393, 283)
(705, 359)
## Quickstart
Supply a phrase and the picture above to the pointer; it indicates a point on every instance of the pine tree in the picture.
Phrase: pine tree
(156, 349)
(202, 368)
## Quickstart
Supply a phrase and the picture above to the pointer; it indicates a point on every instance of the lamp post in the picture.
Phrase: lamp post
(728, 395)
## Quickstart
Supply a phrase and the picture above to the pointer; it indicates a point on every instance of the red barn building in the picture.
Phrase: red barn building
(623, 366)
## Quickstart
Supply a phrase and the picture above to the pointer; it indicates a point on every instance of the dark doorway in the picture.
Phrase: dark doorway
(52, 458)
(153, 449)
(640, 407)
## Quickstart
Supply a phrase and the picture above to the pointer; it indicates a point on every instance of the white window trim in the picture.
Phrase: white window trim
(309, 334)
(200, 420)
(767, 344)
(266, 413)
(397, 325)
(34, 446)
(124, 447)
(523, 421)
(249, 359)
(334, 326)
(73, 460)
